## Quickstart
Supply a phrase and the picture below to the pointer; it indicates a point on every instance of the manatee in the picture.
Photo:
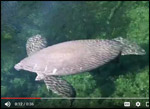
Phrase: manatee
(71, 57)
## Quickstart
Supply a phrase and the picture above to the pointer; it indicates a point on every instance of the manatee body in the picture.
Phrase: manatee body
(72, 57)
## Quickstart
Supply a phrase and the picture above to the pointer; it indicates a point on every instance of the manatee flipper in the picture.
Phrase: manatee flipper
(35, 43)
(60, 86)
(129, 48)
(39, 77)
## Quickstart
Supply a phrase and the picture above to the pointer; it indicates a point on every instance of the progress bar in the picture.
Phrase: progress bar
(20, 97)
(91, 98)
(73, 98)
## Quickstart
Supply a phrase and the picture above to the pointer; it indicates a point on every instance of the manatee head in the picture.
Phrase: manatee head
(33, 45)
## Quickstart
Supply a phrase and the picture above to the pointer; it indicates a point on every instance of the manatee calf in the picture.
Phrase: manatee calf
(71, 57)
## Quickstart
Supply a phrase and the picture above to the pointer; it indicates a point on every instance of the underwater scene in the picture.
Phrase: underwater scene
(76, 54)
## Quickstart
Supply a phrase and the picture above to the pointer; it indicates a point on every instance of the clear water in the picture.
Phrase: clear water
(65, 21)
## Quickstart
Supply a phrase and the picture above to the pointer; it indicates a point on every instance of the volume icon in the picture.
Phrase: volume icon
(8, 104)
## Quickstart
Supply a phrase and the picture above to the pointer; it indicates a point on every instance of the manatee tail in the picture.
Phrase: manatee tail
(60, 87)
(130, 48)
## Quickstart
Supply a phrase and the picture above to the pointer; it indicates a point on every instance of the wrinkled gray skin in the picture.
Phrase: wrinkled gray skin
(74, 57)
(71, 57)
